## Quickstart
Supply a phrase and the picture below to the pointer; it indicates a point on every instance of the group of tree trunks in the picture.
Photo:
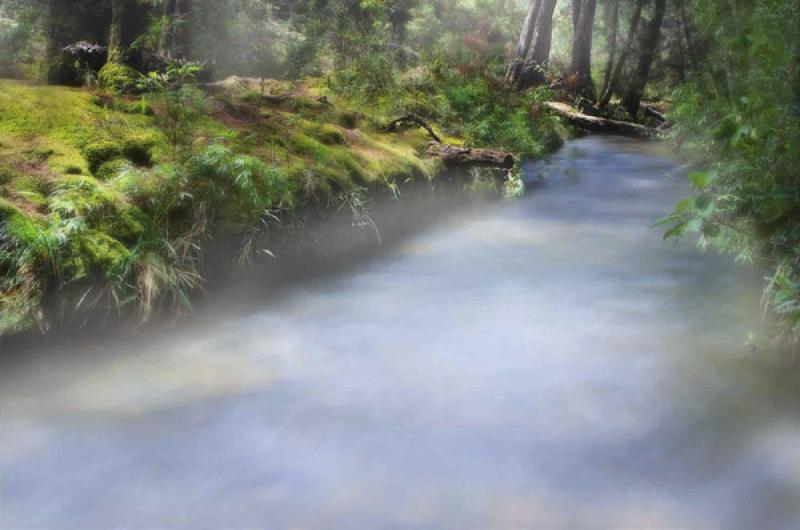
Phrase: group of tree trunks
(527, 61)
(532, 52)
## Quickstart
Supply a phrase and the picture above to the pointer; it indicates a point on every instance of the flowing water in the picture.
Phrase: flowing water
(547, 362)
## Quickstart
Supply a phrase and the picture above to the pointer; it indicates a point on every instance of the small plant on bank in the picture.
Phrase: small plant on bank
(179, 105)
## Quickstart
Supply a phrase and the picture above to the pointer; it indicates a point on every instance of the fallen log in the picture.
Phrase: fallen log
(452, 154)
(596, 124)
(653, 112)
(413, 119)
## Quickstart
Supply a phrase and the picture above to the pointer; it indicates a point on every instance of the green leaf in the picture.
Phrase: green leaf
(711, 230)
(684, 206)
(695, 225)
(702, 202)
(699, 179)
(675, 232)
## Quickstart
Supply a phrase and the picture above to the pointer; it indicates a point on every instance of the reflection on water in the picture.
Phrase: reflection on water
(547, 362)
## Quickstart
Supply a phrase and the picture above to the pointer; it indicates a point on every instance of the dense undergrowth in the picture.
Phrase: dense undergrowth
(738, 120)
(107, 202)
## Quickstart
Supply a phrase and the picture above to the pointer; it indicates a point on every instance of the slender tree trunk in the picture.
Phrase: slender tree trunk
(53, 38)
(623, 58)
(576, 13)
(115, 31)
(516, 62)
(691, 50)
(581, 65)
(612, 24)
(650, 42)
(533, 73)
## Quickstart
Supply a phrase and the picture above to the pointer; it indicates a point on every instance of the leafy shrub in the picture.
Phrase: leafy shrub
(116, 77)
(239, 190)
(739, 119)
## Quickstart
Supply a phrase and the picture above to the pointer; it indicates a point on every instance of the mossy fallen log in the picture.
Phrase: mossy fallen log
(597, 124)
(452, 154)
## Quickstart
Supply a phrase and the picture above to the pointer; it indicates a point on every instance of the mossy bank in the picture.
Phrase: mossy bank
(104, 208)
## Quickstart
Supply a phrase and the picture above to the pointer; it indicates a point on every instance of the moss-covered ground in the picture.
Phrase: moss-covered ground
(98, 214)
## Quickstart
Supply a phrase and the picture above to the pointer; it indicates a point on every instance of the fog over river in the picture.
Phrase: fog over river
(547, 362)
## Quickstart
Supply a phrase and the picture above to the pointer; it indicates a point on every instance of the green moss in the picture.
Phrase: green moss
(22, 183)
(99, 152)
(99, 177)
(329, 134)
(111, 169)
(70, 131)
(6, 174)
(338, 162)
(118, 77)
(19, 226)
(98, 205)
(97, 252)
(349, 119)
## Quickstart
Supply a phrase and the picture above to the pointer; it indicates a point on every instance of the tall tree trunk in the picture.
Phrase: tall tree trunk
(612, 25)
(581, 65)
(53, 33)
(691, 50)
(540, 55)
(576, 13)
(516, 62)
(623, 58)
(115, 31)
(650, 42)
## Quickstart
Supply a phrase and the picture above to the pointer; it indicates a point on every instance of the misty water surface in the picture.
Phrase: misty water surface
(548, 362)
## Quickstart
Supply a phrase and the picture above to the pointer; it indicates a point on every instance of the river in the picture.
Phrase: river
(547, 362)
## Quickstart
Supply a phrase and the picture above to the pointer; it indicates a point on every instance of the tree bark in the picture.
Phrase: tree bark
(576, 13)
(53, 33)
(533, 72)
(650, 42)
(516, 62)
(691, 50)
(451, 154)
(623, 58)
(115, 31)
(581, 64)
(603, 125)
(612, 24)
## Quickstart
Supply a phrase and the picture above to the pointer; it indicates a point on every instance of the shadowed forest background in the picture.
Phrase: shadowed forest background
(197, 120)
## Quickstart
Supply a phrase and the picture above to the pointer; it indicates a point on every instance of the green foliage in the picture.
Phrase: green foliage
(118, 77)
(243, 189)
(21, 39)
(488, 116)
(740, 118)
(180, 104)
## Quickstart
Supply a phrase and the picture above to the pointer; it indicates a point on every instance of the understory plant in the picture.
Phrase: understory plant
(738, 121)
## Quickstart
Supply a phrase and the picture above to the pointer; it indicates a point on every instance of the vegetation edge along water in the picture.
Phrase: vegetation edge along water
(109, 200)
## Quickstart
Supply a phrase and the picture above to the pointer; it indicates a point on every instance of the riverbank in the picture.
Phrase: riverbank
(108, 204)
